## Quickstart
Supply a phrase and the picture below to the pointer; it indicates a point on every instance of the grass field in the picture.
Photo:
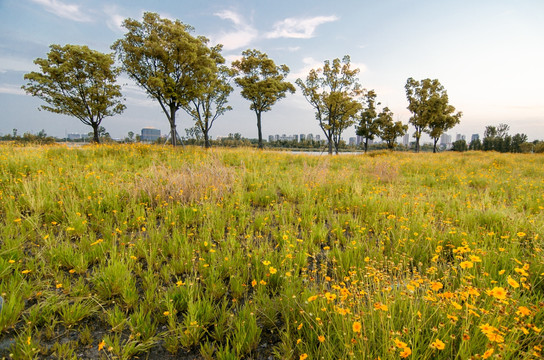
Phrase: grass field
(123, 251)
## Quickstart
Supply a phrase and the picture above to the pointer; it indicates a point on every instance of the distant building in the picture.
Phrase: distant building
(445, 140)
(352, 141)
(270, 138)
(460, 137)
(276, 137)
(150, 134)
(474, 137)
(295, 138)
(406, 139)
(302, 137)
(310, 137)
(318, 138)
(77, 136)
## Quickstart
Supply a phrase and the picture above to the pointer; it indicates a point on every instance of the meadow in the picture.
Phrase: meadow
(146, 251)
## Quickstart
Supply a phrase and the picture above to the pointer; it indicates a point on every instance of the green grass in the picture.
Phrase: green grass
(124, 251)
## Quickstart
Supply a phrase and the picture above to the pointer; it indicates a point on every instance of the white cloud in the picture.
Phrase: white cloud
(67, 11)
(309, 63)
(299, 28)
(241, 36)
(11, 89)
(115, 20)
(16, 64)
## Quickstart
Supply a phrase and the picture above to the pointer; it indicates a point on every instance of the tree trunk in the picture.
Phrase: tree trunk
(434, 147)
(417, 144)
(259, 129)
(173, 134)
(207, 143)
(96, 138)
(366, 145)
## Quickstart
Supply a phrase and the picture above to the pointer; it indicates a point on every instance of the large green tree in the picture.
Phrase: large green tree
(77, 81)
(333, 91)
(431, 112)
(262, 82)
(369, 126)
(211, 102)
(170, 64)
(390, 130)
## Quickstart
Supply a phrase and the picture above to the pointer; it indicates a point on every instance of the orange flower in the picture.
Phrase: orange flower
(487, 354)
(101, 345)
(303, 356)
(356, 327)
(523, 311)
(400, 344)
(438, 344)
(405, 352)
(436, 285)
(321, 338)
(498, 293)
(513, 283)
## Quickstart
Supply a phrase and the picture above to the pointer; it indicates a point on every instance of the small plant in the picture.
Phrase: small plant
(73, 313)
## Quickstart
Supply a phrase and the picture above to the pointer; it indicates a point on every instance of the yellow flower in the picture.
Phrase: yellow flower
(101, 345)
(329, 296)
(487, 354)
(17, 220)
(356, 327)
(58, 286)
(498, 293)
(436, 285)
(466, 264)
(523, 311)
(166, 313)
(513, 283)
(321, 338)
(438, 344)
(254, 283)
(266, 263)
(475, 258)
(272, 270)
(312, 298)
(400, 344)
(405, 352)
(453, 318)
(25, 271)
(521, 234)
(262, 282)
(303, 356)
(380, 306)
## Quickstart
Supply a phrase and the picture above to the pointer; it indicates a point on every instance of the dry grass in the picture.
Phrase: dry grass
(190, 184)
(384, 171)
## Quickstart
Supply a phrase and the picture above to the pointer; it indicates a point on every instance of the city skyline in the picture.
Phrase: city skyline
(483, 53)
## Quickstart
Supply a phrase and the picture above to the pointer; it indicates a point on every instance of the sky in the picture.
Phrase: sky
(488, 54)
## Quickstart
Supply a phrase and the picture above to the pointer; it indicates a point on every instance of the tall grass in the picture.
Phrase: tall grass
(249, 254)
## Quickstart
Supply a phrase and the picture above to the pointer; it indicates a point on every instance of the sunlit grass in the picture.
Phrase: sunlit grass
(229, 253)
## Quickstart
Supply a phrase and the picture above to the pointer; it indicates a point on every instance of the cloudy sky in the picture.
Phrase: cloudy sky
(488, 54)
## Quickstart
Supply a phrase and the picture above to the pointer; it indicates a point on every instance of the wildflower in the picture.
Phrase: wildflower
(513, 283)
(272, 270)
(498, 293)
(436, 285)
(523, 311)
(329, 296)
(166, 313)
(356, 327)
(453, 318)
(312, 298)
(300, 326)
(254, 283)
(180, 283)
(97, 242)
(438, 344)
(262, 282)
(321, 338)
(58, 286)
(400, 344)
(466, 264)
(405, 352)
(11, 261)
(266, 263)
(17, 220)
(487, 354)
(299, 341)
(475, 258)
(303, 356)
(521, 234)
(25, 271)
(101, 345)
(380, 306)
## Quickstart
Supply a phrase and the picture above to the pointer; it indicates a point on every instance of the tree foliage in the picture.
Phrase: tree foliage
(496, 138)
(170, 64)
(369, 125)
(389, 129)
(211, 102)
(431, 112)
(77, 81)
(262, 82)
(333, 91)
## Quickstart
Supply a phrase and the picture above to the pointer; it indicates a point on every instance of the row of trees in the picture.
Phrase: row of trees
(180, 71)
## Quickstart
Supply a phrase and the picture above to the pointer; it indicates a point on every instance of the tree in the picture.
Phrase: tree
(211, 102)
(431, 113)
(262, 82)
(77, 81)
(332, 91)
(459, 145)
(369, 126)
(162, 57)
(390, 130)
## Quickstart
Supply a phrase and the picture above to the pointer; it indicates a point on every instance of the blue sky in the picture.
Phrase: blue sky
(489, 55)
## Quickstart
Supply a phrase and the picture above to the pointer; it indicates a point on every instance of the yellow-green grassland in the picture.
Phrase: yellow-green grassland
(152, 252)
